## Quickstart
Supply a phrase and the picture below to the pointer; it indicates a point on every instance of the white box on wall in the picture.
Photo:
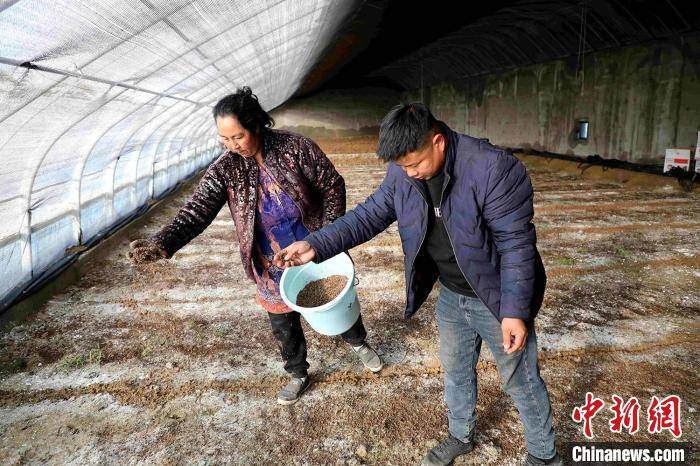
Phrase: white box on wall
(677, 158)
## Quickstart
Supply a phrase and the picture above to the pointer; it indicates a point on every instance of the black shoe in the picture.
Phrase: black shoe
(535, 461)
(447, 451)
(292, 391)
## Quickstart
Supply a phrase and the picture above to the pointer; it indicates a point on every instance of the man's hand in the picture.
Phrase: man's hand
(298, 253)
(515, 330)
(144, 250)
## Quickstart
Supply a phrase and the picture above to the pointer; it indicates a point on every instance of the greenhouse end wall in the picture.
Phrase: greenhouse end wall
(638, 102)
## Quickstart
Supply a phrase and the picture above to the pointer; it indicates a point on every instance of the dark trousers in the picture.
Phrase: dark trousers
(287, 330)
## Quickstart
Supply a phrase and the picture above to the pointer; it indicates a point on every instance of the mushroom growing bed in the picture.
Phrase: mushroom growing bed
(174, 362)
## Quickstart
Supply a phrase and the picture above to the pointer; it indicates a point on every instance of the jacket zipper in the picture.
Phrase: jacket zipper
(425, 233)
(442, 196)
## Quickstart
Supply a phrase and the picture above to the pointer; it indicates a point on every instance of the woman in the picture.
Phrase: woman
(279, 187)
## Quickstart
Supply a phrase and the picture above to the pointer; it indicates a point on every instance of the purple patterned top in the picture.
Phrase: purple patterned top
(299, 166)
(278, 223)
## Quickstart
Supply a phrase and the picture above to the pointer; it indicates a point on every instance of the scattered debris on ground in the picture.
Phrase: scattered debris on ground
(174, 361)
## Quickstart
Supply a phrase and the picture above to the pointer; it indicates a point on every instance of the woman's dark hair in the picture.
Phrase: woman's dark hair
(404, 129)
(244, 106)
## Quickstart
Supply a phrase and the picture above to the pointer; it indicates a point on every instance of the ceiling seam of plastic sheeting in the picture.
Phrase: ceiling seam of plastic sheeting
(68, 74)
(88, 148)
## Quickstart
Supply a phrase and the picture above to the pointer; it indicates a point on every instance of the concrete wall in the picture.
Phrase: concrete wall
(638, 101)
(336, 112)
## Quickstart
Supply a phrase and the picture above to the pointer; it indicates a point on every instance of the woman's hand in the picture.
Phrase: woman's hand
(144, 250)
(298, 253)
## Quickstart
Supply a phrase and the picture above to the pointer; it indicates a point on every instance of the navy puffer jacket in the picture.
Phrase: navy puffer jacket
(487, 209)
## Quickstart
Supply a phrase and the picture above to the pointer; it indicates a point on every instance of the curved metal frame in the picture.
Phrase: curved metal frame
(211, 62)
(27, 224)
(547, 20)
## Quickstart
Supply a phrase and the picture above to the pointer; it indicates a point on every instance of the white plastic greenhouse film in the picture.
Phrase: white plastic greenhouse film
(107, 105)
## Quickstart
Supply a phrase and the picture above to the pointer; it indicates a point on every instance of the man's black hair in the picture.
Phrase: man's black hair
(244, 106)
(404, 129)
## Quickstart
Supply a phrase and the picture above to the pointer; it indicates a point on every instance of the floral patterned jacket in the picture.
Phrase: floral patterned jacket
(298, 165)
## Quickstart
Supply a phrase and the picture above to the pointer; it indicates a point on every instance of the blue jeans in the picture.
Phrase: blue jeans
(463, 322)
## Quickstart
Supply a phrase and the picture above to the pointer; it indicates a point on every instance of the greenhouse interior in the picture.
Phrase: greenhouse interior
(113, 131)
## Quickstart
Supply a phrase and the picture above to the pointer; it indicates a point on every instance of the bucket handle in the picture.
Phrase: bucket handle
(356, 281)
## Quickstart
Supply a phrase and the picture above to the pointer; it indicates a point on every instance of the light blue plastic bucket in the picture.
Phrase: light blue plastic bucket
(332, 318)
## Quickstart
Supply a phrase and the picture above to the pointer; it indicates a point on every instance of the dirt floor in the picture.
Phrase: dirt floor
(175, 363)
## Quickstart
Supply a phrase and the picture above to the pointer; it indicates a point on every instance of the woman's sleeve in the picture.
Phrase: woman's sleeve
(195, 216)
(325, 179)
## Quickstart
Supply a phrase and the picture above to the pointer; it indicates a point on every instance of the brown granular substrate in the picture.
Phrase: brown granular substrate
(320, 292)
(143, 255)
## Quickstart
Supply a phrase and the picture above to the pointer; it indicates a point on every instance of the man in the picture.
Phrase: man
(464, 209)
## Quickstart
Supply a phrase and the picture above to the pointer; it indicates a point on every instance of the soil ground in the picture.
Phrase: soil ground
(175, 363)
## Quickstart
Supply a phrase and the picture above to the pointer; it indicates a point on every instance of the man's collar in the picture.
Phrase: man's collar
(450, 146)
